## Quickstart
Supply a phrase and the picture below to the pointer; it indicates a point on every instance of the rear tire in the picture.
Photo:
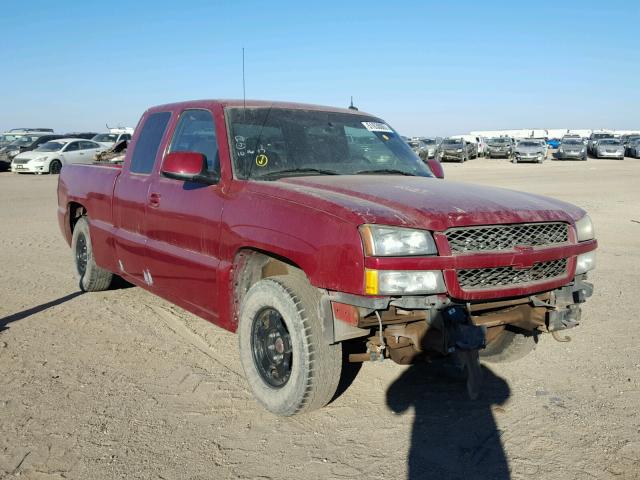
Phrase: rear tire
(289, 366)
(91, 278)
(54, 167)
(508, 346)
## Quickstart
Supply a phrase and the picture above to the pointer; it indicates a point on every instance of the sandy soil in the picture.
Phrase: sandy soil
(122, 384)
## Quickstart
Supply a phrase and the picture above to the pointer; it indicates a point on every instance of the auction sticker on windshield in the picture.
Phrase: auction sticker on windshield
(377, 127)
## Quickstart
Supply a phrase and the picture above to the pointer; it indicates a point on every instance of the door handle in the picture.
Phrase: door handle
(154, 200)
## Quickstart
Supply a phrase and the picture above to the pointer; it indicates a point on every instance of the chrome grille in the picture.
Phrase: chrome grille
(482, 278)
(20, 161)
(506, 237)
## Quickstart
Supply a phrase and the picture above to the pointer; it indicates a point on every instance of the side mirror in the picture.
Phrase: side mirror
(187, 166)
(436, 167)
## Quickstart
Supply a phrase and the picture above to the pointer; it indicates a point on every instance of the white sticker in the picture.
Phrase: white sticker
(377, 127)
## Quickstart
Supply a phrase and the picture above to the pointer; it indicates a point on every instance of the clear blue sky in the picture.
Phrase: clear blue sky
(428, 68)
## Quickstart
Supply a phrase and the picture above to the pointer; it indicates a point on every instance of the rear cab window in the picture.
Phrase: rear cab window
(148, 142)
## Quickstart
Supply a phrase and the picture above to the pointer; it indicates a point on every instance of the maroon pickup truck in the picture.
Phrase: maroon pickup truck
(302, 227)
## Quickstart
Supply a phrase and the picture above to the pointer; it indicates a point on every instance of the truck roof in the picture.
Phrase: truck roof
(253, 104)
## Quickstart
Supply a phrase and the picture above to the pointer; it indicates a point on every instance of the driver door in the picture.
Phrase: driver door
(183, 221)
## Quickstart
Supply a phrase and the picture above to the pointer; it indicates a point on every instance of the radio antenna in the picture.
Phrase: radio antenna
(244, 95)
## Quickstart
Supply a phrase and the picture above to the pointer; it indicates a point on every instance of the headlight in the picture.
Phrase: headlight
(13, 153)
(586, 262)
(459, 150)
(561, 150)
(403, 282)
(584, 229)
(41, 159)
(381, 241)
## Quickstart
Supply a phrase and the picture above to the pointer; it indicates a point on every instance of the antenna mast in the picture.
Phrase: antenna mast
(244, 96)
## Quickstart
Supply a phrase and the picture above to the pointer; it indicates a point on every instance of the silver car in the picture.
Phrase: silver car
(529, 151)
(610, 148)
(593, 141)
(571, 148)
(424, 147)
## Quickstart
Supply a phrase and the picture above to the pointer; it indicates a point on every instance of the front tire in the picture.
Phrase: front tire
(91, 277)
(54, 167)
(288, 364)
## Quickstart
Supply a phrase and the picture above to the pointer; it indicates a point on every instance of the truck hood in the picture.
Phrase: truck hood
(418, 202)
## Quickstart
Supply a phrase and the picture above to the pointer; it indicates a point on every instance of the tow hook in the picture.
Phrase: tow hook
(376, 351)
(556, 336)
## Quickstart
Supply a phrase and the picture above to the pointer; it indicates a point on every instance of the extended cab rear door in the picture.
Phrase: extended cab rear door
(131, 196)
(183, 220)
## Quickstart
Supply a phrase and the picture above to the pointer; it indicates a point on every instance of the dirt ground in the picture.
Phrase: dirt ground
(121, 384)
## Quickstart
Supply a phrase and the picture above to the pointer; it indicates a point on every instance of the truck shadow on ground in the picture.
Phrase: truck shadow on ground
(453, 437)
(33, 310)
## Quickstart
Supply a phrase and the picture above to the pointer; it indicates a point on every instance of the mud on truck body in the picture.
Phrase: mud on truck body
(303, 227)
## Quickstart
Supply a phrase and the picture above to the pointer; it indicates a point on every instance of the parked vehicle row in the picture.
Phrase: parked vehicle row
(31, 150)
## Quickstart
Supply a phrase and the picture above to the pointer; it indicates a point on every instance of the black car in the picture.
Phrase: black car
(85, 135)
(24, 143)
(32, 130)
(628, 140)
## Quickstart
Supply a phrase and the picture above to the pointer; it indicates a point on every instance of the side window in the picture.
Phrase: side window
(144, 155)
(87, 145)
(196, 132)
(126, 137)
(72, 147)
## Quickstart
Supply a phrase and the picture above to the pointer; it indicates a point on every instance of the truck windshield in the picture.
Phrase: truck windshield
(271, 143)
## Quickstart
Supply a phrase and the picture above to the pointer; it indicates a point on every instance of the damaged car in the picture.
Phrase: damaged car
(457, 150)
(529, 151)
(500, 147)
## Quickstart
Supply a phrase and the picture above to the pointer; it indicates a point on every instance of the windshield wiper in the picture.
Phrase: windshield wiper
(385, 171)
(292, 172)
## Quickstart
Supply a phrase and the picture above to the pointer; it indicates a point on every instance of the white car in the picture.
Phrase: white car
(110, 139)
(51, 156)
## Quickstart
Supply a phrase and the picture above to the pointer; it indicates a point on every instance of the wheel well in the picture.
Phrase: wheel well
(75, 212)
(251, 266)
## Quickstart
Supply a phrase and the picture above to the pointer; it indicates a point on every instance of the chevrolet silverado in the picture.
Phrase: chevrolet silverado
(303, 227)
